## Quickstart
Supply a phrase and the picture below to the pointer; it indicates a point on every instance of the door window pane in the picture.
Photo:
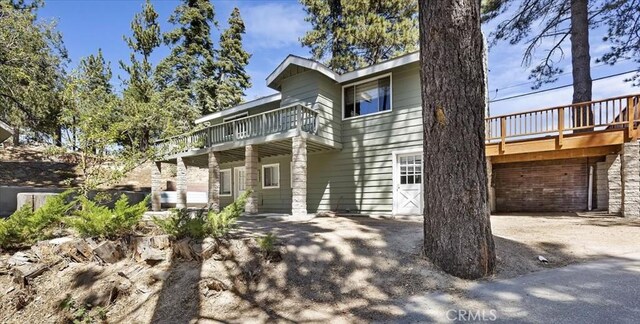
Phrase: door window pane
(410, 169)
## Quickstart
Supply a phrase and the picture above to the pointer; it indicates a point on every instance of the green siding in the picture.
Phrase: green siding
(271, 200)
(316, 91)
(359, 178)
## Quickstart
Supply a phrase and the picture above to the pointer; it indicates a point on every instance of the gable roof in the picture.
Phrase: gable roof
(5, 131)
(239, 108)
(292, 60)
(298, 63)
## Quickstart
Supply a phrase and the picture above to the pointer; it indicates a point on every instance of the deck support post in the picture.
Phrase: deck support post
(491, 194)
(251, 178)
(181, 183)
(630, 179)
(299, 176)
(156, 186)
(213, 195)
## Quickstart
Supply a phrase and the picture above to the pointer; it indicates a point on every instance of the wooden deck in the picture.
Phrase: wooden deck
(273, 128)
(586, 129)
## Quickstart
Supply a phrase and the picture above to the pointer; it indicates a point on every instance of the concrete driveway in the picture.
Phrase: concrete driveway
(604, 291)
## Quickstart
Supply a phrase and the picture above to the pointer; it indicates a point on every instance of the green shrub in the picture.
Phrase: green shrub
(26, 226)
(220, 223)
(183, 223)
(267, 243)
(93, 220)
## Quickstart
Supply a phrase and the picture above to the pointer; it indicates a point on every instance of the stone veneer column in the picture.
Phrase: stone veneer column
(213, 201)
(156, 185)
(491, 192)
(614, 184)
(602, 185)
(251, 178)
(630, 179)
(299, 177)
(181, 183)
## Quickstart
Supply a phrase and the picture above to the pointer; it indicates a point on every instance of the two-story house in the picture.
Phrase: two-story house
(352, 143)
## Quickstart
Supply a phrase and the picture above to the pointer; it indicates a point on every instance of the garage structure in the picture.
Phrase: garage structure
(562, 185)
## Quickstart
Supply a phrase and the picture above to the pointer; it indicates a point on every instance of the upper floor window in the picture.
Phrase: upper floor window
(367, 97)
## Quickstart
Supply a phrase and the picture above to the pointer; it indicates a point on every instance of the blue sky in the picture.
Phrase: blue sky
(273, 30)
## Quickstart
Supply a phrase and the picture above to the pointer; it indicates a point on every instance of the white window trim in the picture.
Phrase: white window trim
(277, 165)
(365, 81)
(230, 183)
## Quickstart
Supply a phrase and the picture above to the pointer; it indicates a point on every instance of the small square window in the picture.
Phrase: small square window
(271, 176)
(225, 182)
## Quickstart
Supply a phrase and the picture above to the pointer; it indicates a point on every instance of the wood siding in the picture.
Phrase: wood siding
(359, 178)
(272, 200)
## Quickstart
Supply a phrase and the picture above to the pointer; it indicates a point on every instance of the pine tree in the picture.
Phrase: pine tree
(186, 76)
(140, 104)
(231, 75)
(457, 229)
(348, 34)
(561, 22)
(32, 58)
(623, 33)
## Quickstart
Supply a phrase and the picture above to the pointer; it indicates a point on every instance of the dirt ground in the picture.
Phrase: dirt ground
(333, 269)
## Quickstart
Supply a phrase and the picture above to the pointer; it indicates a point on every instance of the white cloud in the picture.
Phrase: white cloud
(274, 25)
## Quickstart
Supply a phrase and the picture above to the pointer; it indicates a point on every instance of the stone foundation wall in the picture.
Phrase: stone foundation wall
(630, 179)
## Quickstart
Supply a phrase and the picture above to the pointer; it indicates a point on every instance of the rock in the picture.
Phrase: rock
(123, 286)
(25, 273)
(209, 248)
(153, 255)
(150, 247)
(210, 286)
(108, 252)
(184, 250)
(160, 275)
(21, 258)
(60, 240)
(77, 250)
(130, 272)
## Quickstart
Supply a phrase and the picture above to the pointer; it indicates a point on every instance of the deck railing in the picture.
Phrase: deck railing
(268, 123)
(619, 112)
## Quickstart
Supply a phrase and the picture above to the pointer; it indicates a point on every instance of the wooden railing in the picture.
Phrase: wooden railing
(271, 122)
(619, 112)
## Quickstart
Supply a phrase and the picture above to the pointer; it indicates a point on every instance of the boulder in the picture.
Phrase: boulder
(108, 252)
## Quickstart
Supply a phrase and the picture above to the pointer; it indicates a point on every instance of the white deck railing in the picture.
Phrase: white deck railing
(268, 123)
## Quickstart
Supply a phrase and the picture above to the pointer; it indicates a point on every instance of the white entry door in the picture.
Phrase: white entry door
(407, 183)
(239, 177)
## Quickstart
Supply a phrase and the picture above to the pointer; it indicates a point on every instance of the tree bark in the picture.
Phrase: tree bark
(16, 136)
(581, 63)
(457, 229)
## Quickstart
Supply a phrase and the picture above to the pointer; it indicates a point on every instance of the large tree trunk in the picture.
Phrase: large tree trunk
(457, 229)
(16, 136)
(581, 63)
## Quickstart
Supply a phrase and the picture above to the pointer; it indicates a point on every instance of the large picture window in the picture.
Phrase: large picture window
(367, 97)
(225, 182)
(271, 176)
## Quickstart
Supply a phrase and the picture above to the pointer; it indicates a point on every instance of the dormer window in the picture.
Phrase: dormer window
(367, 97)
